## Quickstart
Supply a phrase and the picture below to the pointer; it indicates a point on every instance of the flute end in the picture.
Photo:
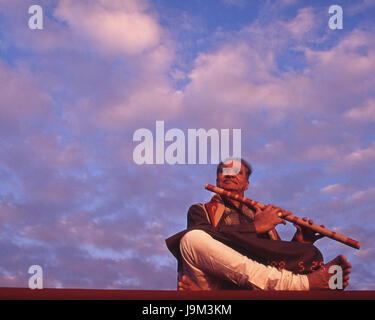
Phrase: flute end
(354, 243)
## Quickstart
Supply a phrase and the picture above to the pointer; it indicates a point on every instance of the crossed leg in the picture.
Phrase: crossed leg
(208, 262)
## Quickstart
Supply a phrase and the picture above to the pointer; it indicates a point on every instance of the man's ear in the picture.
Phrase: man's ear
(247, 185)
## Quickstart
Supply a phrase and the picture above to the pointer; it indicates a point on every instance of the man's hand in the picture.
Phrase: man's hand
(305, 235)
(266, 219)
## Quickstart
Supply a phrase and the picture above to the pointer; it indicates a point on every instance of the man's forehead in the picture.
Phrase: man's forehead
(235, 164)
(230, 163)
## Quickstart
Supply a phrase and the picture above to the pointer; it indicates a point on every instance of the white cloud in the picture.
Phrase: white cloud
(365, 113)
(360, 156)
(244, 74)
(113, 26)
(158, 102)
(353, 57)
(362, 196)
(239, 76)
(302, 23)
(337, 188)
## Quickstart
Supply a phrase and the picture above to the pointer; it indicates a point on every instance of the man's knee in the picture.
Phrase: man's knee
(193, 238)
(192, 242)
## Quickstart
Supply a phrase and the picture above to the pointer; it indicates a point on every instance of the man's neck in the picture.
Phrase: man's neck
(235, 203)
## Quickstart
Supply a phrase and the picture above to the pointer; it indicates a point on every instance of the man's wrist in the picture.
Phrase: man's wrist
(252, 227)
(260, 228)
(257, 228)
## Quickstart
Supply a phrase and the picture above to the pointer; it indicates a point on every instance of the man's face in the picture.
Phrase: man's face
(233, 182)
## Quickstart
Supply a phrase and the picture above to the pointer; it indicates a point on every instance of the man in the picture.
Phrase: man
(229, 245)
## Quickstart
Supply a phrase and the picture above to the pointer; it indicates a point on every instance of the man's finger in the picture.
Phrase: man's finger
(269, 207)
(281, 212)
(279, 221)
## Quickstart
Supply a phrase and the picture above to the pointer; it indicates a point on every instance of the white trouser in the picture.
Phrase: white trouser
(208, 262)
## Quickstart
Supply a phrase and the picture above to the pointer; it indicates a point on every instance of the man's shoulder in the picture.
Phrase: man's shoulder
(197, 215)
(196, 207)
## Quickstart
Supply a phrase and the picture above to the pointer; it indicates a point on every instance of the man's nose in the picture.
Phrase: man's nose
(230, 175)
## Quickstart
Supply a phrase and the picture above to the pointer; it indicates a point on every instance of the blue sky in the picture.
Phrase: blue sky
(73, 201)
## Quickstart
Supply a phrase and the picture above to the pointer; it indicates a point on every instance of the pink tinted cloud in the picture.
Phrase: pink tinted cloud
(349, 65)
(337, 189)
(302, 24)
(157, 101)
(21, 98)
(112, 26)
(242, 74)
(363, 113)
(360, 158)
(129, 30)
